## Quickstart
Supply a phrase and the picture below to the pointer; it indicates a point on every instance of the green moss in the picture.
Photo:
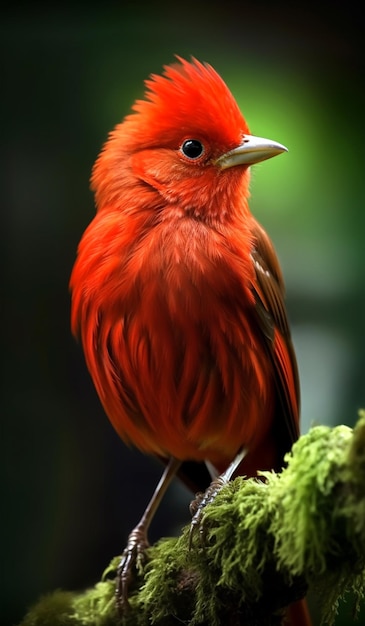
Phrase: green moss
(55, 608)
(263, 543)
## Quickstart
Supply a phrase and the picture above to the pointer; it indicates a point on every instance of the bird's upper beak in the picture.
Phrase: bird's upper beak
(251, 150)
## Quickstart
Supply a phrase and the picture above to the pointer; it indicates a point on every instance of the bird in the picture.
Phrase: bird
(178, 297)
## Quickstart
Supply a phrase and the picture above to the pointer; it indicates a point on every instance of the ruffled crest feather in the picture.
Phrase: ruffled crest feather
(189, 95)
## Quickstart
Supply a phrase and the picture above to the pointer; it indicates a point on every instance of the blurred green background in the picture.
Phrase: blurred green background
(71, 491)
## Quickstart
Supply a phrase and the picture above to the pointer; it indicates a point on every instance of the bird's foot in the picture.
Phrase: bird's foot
(132, 557)
(202, 499)
(198, 505)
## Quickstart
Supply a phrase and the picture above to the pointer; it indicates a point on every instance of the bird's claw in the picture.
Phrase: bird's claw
(197, 507)
(195, 504)
(132, 557)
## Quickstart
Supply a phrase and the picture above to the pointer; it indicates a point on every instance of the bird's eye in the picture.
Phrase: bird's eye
(192, 148)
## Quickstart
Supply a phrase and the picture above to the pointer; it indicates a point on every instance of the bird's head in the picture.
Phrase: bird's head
(187, 141)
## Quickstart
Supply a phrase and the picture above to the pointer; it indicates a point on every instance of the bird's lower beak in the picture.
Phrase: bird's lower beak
(251, 150)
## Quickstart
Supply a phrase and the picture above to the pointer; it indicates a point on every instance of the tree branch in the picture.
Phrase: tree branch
(265, 543)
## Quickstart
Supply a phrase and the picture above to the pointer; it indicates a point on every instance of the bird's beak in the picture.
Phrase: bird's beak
(251, 150)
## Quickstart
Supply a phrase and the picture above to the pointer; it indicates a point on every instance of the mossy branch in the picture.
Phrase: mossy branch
(266, 542)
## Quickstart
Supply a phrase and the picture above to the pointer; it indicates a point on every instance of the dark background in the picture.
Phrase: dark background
(71, 491)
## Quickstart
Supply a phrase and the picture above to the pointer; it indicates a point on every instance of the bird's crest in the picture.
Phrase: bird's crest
(191, 96)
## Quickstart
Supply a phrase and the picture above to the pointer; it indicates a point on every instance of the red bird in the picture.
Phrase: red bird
(177, 293)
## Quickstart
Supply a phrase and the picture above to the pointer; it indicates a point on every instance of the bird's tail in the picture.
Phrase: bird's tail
(298, 614)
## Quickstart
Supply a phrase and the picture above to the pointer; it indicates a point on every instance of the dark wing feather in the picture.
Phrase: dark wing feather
(272, 318)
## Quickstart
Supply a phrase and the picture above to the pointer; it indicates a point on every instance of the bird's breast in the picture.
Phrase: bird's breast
(173, 348)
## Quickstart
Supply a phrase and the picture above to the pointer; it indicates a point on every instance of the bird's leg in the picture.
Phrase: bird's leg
(138, 541)
(201, 501)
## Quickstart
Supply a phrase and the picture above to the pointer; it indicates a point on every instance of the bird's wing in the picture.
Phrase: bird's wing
(272, 318)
